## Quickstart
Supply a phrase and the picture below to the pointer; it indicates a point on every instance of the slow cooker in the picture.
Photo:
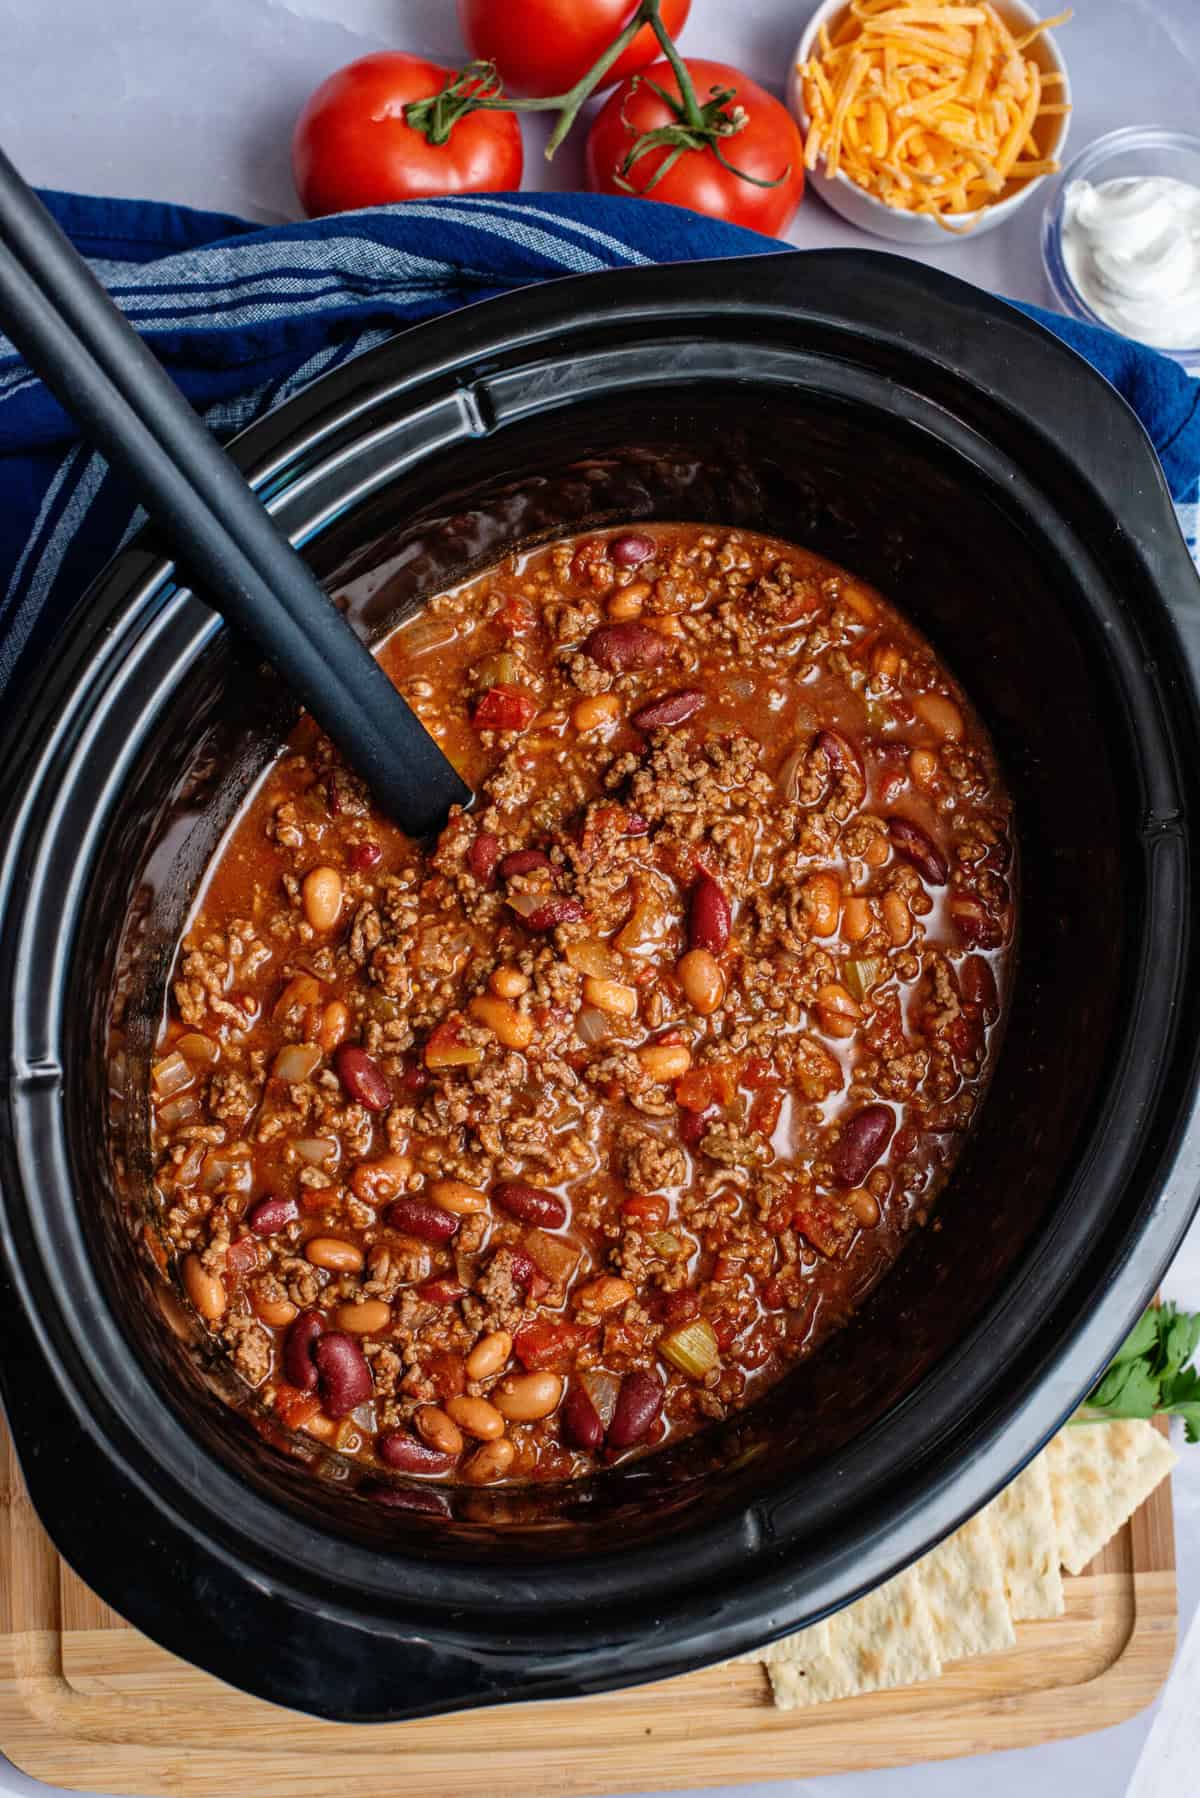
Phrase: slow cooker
(953, 453)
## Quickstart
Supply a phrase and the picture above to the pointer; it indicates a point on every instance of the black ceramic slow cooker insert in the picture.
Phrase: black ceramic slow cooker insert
(948, 450)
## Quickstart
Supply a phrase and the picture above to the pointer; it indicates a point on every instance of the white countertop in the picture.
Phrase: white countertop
(193, 100)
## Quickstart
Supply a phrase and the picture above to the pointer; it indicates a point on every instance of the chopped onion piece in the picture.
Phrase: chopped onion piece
(592, 1025)
(591, 957)
(315, 1149)
(862, 975)
(231, 1173)
(788, 779)
(171, 1075)
(526, 903)
(178, 1111)
(692, 1348)
(297, 1062)
(602, 1389)
(198, 1048)
(665, 1243)
(426, 635)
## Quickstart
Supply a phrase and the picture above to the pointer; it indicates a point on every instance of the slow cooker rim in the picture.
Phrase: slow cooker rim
(247, 446)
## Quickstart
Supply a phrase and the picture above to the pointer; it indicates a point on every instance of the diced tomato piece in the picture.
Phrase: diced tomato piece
(725, 1330)
(700, 1087)
(758, 1072)
(648, 1208)
(544, 1345)
(517, 616)
(296, 1408)
(764, 1113)
(446, 1049)
(503, 708)
(448, 1372)
(242, 1257)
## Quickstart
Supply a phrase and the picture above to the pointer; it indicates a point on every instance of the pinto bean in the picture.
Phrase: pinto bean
(638, 1404)
(530, 1204)
(299, 1368)
(619, 647)
(709, 917)
(671, 708)
(863, 1139)
(631, 549)
(363, 1078)
(422, 1219)
(527, 1397)
(439, 1430)
(407, 1454)
(206, 1290)
(913, 845)
(491, 1462)
(489, 1355)
(321, 895)
(342, 1373)
(476, 1417)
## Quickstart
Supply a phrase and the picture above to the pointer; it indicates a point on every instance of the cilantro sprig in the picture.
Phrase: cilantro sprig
(1150, 1375)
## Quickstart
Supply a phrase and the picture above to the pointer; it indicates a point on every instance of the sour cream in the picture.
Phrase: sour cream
(1132, 248)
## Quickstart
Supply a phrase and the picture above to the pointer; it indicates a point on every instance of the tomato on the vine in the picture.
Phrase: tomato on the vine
(543, 47)
(763, 144)
(352, 145)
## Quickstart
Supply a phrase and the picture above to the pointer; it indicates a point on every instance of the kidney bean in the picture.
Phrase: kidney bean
(638, 1404)
(840, 752)
(523, 861)
(631, 550)
(581, 1425)
(693, 1126)
(342, 1373)
(530, 1204)
(672, 708)
(911, 843)
(482, 855)
(271, 1214)
(364, 855)
(405, 1498)
(863, 1139)
(978, 986)
(441, 1292)
(621, 646)
(709, 916)
(363, 1078)
(554, 912)
(422, 1219)
(299, 1368)
(407, 1454)
(527, 1274)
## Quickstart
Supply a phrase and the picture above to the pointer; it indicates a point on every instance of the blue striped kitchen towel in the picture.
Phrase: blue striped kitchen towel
(243, 317)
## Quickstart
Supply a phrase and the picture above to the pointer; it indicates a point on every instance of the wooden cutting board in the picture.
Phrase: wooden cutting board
(88, 1703)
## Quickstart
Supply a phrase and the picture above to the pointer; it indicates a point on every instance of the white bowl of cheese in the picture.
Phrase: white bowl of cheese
(915, 180)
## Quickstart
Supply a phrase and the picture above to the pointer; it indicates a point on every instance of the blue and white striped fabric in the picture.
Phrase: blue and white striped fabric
(244, 317)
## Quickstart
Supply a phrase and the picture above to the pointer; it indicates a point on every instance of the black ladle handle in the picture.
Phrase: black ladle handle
(68, 329)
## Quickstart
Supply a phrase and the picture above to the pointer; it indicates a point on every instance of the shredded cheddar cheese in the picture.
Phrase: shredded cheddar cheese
(932, 106)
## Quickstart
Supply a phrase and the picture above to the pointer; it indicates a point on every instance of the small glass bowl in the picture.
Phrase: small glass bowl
(1135, 150)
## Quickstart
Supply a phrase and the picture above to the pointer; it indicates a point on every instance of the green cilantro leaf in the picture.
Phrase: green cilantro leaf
(1150, 1375)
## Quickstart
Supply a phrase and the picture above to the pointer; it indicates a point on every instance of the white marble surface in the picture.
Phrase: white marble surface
(192, 100)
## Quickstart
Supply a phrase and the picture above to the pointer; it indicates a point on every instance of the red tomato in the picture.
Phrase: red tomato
(770, 146)
(544, 46)
(351, 146)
